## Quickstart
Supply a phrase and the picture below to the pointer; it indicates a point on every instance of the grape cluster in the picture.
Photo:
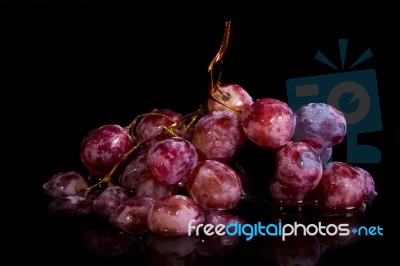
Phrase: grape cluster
(165, 170)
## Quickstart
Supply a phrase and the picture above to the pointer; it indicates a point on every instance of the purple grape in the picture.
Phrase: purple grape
(232, 95)
(298, 167)
(171, 215)
(71, 206)
(169, 161)
(109, 199)
(65, 184)
(103, 148)
(214, 185)
(131, 215)
(218, 136)
(320, 124)
(269, 123)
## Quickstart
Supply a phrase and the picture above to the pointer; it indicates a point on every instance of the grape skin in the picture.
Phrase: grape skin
(218, 136)
(281, 197)
(233, 95)
(324, 153)
(298, 167)
(134, 170)
(369, 190)
(138, 181)
(131, 215)
(214, 185)
(65, 184)
(103, 148)
(109, 199)
(342, 187)
(171, 215)
(269, 123)
(321, 124)
(169, 161)
(151, 125)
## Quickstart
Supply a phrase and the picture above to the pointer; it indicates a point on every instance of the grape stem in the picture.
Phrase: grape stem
(218, 61)
(189, 120)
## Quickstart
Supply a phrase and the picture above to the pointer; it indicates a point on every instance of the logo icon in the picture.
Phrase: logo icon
(353, 92)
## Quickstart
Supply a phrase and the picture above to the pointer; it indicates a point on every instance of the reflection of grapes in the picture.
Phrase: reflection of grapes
(215, 245)
(164, 171)
(103, 240)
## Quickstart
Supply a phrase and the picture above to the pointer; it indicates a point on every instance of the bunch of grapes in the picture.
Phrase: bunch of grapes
(165, 170)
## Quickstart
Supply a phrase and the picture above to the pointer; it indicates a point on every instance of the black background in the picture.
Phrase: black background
(70, 66)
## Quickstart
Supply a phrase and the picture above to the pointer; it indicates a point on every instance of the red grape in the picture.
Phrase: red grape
(214, 185)
(279, 196)
(342, 187)
(137, 179)
(65, 184)
(268, 122)
(170, 160)
(109, 199)
(298, 167)
(232, 95)
(152, 124)
(131, 215)
(171, 215)
(369, 183)
(103, 148)
(218, 136)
